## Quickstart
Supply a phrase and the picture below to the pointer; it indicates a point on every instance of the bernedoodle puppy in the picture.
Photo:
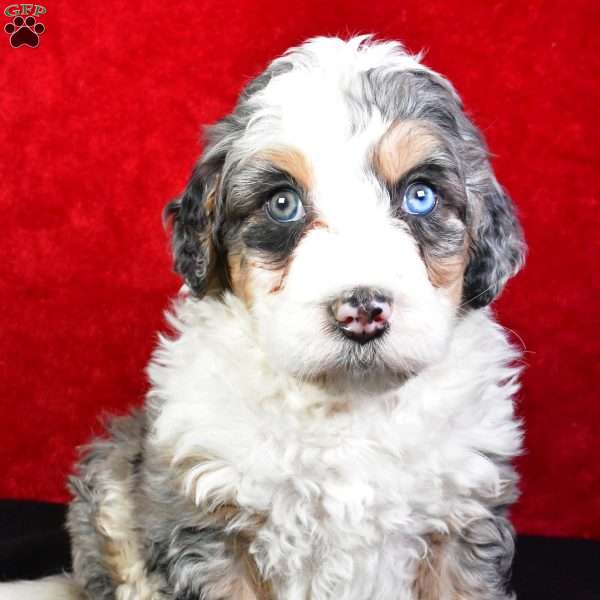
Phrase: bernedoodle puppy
(333, 416)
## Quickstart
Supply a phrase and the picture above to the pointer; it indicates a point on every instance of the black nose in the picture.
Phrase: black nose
(362, 314)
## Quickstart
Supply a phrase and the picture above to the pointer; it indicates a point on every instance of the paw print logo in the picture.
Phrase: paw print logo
(24, 32)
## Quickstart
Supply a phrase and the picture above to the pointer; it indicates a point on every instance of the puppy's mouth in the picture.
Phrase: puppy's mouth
(363, 365)
(364, 337)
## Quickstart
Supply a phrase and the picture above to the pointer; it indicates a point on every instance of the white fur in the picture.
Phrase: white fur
(49, 588)
(348, 497)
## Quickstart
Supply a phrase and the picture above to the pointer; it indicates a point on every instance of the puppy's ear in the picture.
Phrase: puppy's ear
(497, 249)
(194, 235)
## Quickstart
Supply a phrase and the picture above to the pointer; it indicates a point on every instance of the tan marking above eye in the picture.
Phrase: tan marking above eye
(403, 146)
(292, 161)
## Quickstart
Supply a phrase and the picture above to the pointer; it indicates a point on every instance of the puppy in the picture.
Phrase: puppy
(333, 416)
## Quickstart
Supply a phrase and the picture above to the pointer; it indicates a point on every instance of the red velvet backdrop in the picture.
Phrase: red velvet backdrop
(100, 128)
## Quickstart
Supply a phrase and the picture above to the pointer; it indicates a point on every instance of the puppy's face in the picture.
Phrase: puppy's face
(349, 202)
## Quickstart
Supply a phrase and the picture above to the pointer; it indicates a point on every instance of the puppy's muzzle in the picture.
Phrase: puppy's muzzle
(362, 314)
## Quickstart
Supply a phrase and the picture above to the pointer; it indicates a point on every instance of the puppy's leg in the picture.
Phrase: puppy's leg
(473, 564)
(90, 570)
(103, 519)
(204, 560)
(195, 561)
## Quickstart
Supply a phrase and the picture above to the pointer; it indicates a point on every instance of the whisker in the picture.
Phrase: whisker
(477, 296)
(524, 348)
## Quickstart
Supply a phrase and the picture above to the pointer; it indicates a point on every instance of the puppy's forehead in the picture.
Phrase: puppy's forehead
(331, 103)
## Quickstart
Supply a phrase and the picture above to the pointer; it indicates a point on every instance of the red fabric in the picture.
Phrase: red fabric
(100, 126)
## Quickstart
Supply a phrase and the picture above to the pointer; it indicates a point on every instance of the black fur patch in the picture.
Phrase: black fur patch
(248, 190)
(437, 233)
(193, 254)
(497, 252)
(276, 240)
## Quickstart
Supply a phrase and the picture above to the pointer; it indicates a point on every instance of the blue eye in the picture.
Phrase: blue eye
(419, 199)
(285, 206)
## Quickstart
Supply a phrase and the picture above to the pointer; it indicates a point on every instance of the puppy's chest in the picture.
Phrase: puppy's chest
(343, 511)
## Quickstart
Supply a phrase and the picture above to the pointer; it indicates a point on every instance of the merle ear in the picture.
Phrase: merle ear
(194, 230)
(497, 247)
